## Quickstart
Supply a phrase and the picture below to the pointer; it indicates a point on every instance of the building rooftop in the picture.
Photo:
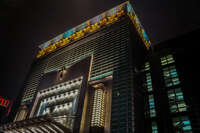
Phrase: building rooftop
(105, 18)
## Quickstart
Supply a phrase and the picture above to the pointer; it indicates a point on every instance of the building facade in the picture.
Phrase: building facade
(171, 101)
(85, 78)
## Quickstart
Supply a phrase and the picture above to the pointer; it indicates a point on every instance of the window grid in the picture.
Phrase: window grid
(167, 60)
(170, 76)
(176, 101)
(115, 40)
(148, 82)
(152, 106)
(182, 124)
(150, 110)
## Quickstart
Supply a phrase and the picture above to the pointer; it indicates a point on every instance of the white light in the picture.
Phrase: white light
(56, 109)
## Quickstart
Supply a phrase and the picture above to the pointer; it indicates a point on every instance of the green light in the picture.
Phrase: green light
(26, 99)
(101, 76)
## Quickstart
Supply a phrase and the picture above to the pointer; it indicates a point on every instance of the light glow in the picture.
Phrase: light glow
(92, 25)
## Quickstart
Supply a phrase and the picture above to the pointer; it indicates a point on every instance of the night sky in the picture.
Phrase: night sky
(24, 24)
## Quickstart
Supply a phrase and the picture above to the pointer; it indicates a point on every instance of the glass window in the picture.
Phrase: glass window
(176, 101)
(147, 66)
(152, 106)
(167, 60)
(182, 124)
(148, 82)
(170, 76)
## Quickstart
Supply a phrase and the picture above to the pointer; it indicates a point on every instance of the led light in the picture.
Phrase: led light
(98, 106)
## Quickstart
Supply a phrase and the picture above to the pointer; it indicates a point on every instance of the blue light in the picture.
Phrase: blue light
(186, 122)
(187, 128)
(68, 33)
(145, 35)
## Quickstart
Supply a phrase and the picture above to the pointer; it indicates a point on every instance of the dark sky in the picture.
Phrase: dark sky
(24, 24)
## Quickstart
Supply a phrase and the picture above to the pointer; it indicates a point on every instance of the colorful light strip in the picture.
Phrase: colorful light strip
(98, 112)
(92, 25)
(137, 24)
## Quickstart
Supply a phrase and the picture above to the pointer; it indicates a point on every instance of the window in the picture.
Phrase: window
(167, 60)
(152, 106)
(148, 82)
(182, 124)
(154, 127)
(147, 66)
(170, 76)
(176, 101)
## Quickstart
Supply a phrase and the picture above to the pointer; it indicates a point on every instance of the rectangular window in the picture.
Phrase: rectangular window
(176, 101)
(148, 82)
(182, 124)
(167, 60)
(170, 76)
(152, 106)
(147, 66)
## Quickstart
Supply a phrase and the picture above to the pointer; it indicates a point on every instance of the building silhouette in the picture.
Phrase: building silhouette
(84, 79)
(171, 101)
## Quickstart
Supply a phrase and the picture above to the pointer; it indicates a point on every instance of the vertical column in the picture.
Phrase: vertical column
(150, 107)
(177, 105)
(97, 120)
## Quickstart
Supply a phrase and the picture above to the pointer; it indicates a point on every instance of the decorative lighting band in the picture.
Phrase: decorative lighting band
(92, 25)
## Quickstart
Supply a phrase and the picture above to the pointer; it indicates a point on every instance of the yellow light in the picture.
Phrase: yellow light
(77, 35)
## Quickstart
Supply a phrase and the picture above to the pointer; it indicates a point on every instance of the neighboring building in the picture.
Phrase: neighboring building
(170, 84)
(85, 79)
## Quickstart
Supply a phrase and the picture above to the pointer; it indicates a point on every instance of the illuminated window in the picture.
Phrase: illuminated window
(148, 82)
(98, 108)
(170, 76)
(167, 60)
(152, 106)
(176, 101)
(182, 124)
(147, 66)
(154, 127)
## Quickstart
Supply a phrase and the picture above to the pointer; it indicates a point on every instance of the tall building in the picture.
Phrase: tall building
(85, 80)
(169, 78)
